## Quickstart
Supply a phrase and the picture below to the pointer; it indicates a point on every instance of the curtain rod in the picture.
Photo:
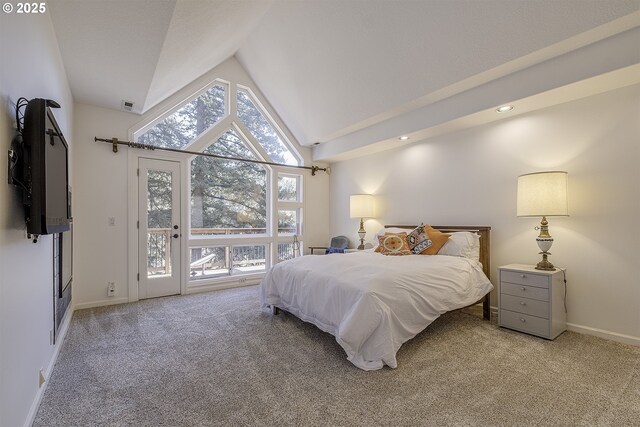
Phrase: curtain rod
(115, 142)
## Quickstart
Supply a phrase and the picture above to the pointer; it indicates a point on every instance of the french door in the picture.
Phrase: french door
(159, 234)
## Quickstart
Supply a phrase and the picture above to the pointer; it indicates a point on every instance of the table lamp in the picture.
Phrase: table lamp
(361, 206)
(543, 194)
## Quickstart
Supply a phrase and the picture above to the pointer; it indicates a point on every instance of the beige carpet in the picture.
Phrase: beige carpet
(216, 359)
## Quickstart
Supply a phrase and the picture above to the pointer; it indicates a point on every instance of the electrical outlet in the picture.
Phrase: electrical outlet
(111, 221)
(111, 289)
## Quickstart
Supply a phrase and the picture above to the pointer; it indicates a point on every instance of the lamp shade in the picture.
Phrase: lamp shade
(543, 194)
(361, 206)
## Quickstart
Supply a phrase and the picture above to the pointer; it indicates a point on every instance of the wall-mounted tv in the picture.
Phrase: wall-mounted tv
(45, 169)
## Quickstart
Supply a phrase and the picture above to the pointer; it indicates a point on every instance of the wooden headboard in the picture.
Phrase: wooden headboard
(485, 249)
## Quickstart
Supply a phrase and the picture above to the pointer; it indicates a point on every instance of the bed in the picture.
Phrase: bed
(372, 303)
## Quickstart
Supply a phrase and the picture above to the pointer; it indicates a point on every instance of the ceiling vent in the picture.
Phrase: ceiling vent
(127, 105)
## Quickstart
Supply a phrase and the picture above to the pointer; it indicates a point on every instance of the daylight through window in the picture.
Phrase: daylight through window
(243, 216)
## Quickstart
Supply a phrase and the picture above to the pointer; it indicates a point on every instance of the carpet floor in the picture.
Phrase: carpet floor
(215, 359)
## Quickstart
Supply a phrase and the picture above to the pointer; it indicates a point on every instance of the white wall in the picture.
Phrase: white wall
(469, 178)
(30, 67)
(100, 192)
(102, 186)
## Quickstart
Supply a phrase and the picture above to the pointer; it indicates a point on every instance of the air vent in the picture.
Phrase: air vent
(127, 105)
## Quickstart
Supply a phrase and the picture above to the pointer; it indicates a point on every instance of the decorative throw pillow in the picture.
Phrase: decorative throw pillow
(437, 237)
(380, 234)
(418, 240)
(383, 231)
(394, 244)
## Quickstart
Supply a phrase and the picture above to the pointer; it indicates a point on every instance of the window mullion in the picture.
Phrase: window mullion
(233, 100)
(210, 136)
(246, 133)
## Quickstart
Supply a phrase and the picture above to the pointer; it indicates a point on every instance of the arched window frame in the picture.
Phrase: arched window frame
(271, 239)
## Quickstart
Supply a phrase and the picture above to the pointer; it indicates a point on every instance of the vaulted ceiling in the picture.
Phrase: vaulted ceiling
(347, 74)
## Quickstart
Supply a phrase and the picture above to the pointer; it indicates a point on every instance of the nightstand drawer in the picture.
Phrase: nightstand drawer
(541, 294)
(523, 278)
(525, 323)
(525, 305)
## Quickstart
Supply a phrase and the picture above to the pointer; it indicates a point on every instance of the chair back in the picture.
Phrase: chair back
(339, 242)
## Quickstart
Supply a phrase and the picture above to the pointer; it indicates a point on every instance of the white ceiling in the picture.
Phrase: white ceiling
(331, 68)
(110, 49)
(145, 50)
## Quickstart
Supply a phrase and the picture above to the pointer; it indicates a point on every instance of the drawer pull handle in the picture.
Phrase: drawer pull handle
(523, 320)
(523, 275)
(523, 289)
(523, 303)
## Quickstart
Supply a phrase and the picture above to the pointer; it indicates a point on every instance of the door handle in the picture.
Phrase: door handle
(175, 236)
(175, 227)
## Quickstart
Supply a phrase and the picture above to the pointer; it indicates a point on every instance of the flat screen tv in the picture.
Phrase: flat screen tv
(46, 170)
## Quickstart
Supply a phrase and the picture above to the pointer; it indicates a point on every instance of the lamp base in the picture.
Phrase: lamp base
(361, 234)
(544, 241)
(545, 264)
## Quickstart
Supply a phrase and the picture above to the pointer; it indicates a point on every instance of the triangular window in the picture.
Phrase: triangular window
(262, 129)
(185, 124)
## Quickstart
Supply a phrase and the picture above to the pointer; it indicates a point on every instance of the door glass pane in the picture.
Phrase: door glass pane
(159, 223)
(207, 262)
(248, 259)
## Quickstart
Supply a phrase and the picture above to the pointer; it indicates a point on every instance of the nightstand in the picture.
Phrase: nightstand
(316, 248)
(532, 301)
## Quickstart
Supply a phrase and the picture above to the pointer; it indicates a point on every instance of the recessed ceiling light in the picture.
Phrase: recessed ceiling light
(403, 137)
(504, 108)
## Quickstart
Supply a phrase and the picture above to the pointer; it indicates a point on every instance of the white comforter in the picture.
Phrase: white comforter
(370, 302)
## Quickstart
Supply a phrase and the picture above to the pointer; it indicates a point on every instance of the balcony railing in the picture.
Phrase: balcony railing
(159, 251)
(244, 258)
(239, 231)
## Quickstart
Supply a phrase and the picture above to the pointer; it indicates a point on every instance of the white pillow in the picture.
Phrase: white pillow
(463, 244)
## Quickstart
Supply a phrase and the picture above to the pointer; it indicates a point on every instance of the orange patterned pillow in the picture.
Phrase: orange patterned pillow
(378, 236)
(378, 247)
(394, 244)
(437, 237)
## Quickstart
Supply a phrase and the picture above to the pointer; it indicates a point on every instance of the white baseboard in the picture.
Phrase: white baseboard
(62, 333)
(614, 336)
(100, 303)
(221, 286)
(190, 290)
